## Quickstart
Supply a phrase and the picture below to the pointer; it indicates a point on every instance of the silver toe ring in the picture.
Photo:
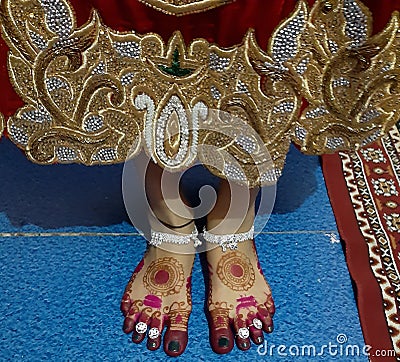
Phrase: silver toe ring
(141, 327)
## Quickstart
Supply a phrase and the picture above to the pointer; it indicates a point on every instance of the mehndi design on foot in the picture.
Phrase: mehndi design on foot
(158, 295)
(240, 303)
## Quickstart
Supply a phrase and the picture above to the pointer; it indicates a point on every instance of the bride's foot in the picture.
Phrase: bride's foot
(158, 295)
(240, 303)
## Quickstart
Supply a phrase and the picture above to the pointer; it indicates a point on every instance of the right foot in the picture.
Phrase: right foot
(157, 295)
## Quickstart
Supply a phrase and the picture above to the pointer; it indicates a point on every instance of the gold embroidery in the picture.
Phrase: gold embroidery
(94, 95)
(184, 7)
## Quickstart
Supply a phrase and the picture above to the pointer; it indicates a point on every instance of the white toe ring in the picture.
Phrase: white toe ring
(243, 333)
(154, 333)
(257, 323)
(141, 327)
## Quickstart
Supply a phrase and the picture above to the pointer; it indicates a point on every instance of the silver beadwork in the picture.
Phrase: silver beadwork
(228, 241)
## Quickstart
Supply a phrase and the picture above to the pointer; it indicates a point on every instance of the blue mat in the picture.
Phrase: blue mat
(60, 294)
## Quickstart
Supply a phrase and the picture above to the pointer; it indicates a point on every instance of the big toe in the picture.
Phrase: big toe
(221, 340)
(175, 342)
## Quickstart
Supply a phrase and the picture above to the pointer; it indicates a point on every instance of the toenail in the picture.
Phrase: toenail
(223, 342)
(259, 339)
(152, 344)
(173, 346)
(136, 337)
(245, 345)
(270, 329)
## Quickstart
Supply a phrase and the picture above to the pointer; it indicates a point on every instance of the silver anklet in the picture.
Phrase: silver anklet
(158, 237)
(228, 241)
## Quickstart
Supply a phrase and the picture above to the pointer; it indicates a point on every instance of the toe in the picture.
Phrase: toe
(175, 342)
(255, 328)
(176, 335)
(242, 334)
(270, 305)
(130, 321)
(141, 327)
(266, 319)
(221, 336)
(125, 304)
(154, 334)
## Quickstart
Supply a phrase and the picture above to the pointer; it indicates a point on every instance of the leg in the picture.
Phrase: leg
(239, 297)
(158, 293)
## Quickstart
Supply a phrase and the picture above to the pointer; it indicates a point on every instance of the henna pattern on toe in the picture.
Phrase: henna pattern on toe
(235, 271)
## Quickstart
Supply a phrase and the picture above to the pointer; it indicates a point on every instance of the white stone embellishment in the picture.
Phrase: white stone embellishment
(141, 327)
(65, 154)
(174, 105)
(333, 46)
(234, 172)
(241, 87)
(143, 102)
(127, 79)
(270, 176)
(216, 94)
(158, 237)
(257, 323)
(128, 49)
(341, 82)
(18, 135)
(39, 115)
(99, 68)
(58, 17)
(243, 333)
(334, 143)
(316, 112)
(284, 107)
(384, 187)
(38, 41)
(300, 133)
(105, 155)
(370, 115)
(356, 25)
(154, 333)
(228, 241)
(54, 83)
(247, 143)
(93, 123)
(302, 66)
(217, 63)
(285, 45)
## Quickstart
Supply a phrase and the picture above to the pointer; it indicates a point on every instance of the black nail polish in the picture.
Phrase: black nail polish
(152, 344)
(259, 340)
(245, 345)
(173, 346)
(270, 329)
(223, 342)
(136, 337)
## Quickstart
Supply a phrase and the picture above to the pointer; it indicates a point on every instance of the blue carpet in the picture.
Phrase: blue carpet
(60, 294)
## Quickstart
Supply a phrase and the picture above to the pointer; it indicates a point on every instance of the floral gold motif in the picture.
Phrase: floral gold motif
(184, 7)
(96, 96)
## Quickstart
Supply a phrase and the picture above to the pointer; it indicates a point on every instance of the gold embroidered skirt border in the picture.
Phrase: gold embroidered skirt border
(96, 96)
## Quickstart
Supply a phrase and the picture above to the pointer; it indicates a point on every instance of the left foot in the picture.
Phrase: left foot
(240, 303)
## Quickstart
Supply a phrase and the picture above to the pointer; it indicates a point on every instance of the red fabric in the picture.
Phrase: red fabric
(369, 298)
(225, 25)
